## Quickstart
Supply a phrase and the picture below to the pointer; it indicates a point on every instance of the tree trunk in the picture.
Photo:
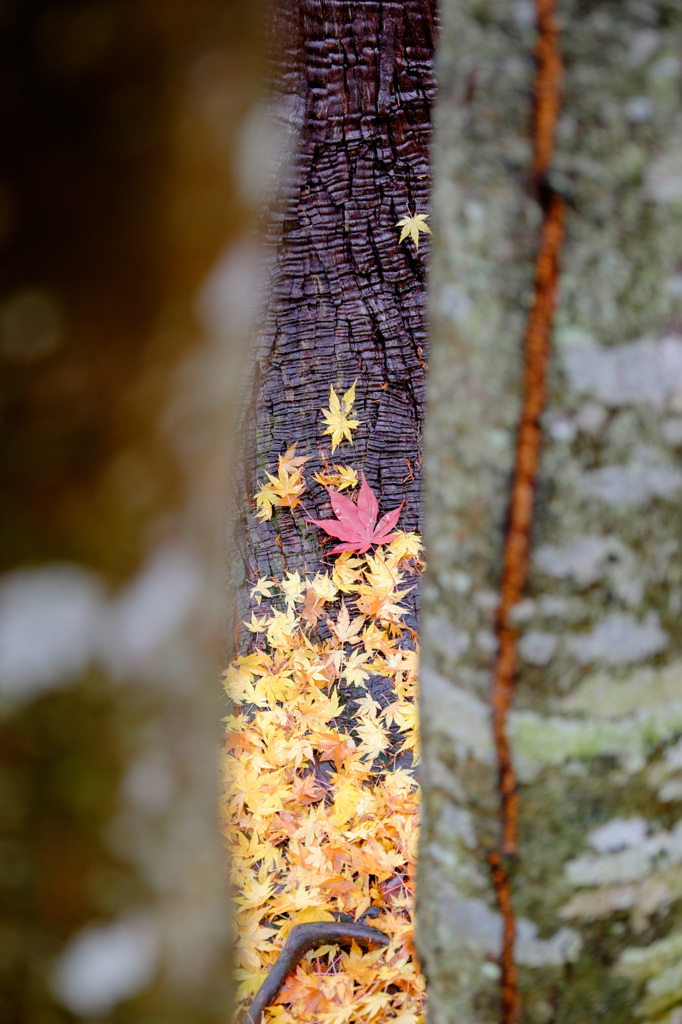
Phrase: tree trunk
(580, 916)
(345, 299)
(117, 196)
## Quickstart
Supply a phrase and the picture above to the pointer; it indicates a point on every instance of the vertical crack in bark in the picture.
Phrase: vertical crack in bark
(548, 79)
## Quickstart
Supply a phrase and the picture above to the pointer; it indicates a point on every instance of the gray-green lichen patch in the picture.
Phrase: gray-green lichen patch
(627, 719)
(619, 639)
(660, 967)
(642, 877)
(646, 371)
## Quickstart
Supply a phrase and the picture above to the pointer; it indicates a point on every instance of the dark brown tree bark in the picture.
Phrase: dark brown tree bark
(345, 300)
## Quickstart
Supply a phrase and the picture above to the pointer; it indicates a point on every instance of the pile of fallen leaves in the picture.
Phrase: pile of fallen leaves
(321, 809)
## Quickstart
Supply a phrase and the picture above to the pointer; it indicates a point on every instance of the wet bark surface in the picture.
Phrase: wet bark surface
(346, 298)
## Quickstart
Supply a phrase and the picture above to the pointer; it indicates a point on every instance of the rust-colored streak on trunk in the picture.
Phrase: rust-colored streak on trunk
(517, 542)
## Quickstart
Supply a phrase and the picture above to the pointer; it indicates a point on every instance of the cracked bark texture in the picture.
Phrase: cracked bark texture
(353, 88)
(597, 718)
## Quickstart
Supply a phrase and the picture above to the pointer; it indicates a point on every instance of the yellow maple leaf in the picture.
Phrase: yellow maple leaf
(354, 673)
(249, 982)
(262, 588)
(346, 800)
(411, 225)
(346, 572)
(256, 625)
(407, 1017)
(323, 586)
(372, 1005)
(293, 589)
(273, 688)
(255, 891)
(373, 739)
(290, 461)
(405, 545)
(265, 499)
(239, 687)
(336, 416)
(282, 629)
(368, 706)
(400, 713)
(343, 629)
(288, 487)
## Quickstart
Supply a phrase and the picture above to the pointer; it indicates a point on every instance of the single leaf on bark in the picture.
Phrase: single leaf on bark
(411, 225)
(356, 524)
(337, 416)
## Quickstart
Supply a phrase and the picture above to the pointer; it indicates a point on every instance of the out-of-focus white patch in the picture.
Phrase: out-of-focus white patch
(104, 964)
(672, 432)
(538, 648)
(50, 619)
(620, 639)
(150, 609)
(633, 484)
(643, 371)
(673, 755)
(563, 428)
(586, 561)
(228, 297)
(663, 180)
(644, 46)
(149, 785)
(478, 927)
(618, 834)
(453, 303)
(525, 14)
(591, 418)
(639, 109)
(56, 620)
(265, 148)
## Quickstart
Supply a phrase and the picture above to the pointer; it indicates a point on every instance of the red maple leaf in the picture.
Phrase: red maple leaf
(356, 525)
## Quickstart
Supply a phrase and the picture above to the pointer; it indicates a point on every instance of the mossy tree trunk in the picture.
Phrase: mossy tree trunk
(596, 890)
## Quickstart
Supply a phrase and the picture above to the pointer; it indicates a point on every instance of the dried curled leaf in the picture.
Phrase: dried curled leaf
(342, 478)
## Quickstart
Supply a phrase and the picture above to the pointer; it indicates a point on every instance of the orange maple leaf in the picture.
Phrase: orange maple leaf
(334, 746)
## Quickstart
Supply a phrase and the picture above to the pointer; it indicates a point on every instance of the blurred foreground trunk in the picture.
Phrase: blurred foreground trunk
(590, 904)
(122, 186)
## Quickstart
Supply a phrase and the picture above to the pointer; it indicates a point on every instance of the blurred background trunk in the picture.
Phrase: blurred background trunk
(125, 192)
(597, 713)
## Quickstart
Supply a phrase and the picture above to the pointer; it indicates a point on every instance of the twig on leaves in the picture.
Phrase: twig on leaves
(301, 939)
